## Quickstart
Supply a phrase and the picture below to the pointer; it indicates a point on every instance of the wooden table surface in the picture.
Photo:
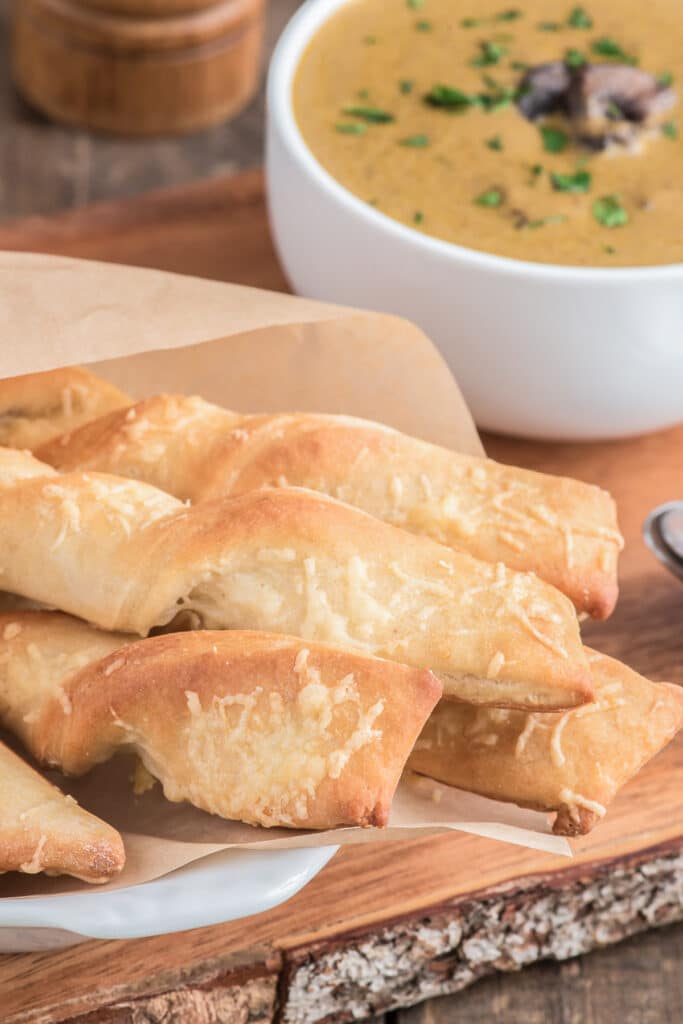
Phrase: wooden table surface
(44, 168)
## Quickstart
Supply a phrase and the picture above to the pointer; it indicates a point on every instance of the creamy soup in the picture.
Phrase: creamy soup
(543, 131)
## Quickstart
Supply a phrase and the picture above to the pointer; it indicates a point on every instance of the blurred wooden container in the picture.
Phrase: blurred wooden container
(137, 67)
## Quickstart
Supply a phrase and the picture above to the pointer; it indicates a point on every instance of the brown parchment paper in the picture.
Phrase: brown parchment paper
(250, 350)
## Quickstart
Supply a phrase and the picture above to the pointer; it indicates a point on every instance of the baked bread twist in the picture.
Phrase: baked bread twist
(43, 830)
(39, 406)
(260, 728)
(563, 530)
(573, 763)
(129, 557)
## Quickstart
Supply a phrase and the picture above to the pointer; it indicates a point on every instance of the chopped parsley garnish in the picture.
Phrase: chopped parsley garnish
(418, 217)
(574, 58)
(548, 26)
(373, 115)
(665, 79)
(670, 129)
(554, 139)
(609, 249)
(369, 40)
(495, 142)
(450, 97)
(609, 212)
(579, 182)
(492, 197)
(415, 141)
(490, 54)
(541, 222)
(511, 14)
(363, 94)
(423, 25)
(499, 98)
(415, 5)
(519, 65)
(536, 172)
(350, 127)
(607, 47)
(580, 18)
(406, 86)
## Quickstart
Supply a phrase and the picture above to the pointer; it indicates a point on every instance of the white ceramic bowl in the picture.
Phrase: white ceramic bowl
(539, 350)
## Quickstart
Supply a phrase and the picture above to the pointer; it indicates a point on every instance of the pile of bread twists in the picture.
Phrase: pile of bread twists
(280, 613)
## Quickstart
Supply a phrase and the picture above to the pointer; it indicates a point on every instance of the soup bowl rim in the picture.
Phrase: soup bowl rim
(298, 33)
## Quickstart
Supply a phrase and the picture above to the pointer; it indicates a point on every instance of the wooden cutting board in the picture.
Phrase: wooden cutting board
(385, 924)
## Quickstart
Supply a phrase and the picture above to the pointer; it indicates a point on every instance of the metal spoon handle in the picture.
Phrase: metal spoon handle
(663, 533)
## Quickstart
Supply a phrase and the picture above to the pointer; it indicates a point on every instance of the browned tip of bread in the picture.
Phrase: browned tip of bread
(599, 598)
(37, 407)
(676, 692)
(575, 821)
(96, 861)
(41, 829)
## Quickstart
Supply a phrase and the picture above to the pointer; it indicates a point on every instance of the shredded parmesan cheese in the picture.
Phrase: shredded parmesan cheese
(35, 864)
(576, 800)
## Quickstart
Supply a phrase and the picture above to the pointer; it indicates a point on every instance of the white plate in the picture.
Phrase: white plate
(219, 888)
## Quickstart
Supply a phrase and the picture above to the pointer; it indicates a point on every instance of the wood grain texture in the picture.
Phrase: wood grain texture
(219, 229)
(137, 75)
(499, 931)
(636, 982)
(46, 167)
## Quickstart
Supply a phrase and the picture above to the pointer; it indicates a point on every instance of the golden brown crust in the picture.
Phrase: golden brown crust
(563, 530)
(257, 727)
(126, 556)
(573, 763)
(43, 830)
(37, 407)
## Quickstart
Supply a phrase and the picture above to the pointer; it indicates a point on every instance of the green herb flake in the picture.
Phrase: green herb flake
(490, 54)
(670, 130)
(609, 249)
(415, 5)
(574, 58)
(609, 212)
(373, 202)
(449, 97)
(519, 65)
(554, 139)
(423, 25)
(406, 86)
(607, 47)
(495, 143)
(536, 172)
(373, 115)
(498, 98)
(418, 217)
(363, 94)
(369, 40)
(350, 127)
(665, 79)
(579, 182)
(492, 197)
(471, 22)
(580, 18)
(415, 141)
(548, 26)
(512, 14)
(541, 222)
